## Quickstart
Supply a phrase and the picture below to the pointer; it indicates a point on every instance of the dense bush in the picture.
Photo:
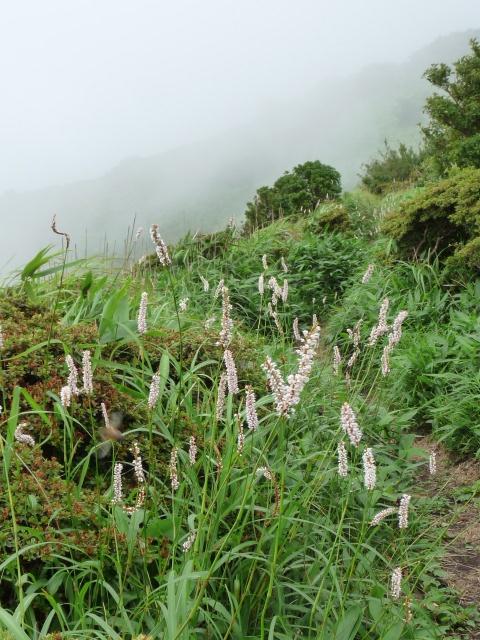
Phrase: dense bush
(392, 169)
(297, 191)
(444, 217)
(453, 133)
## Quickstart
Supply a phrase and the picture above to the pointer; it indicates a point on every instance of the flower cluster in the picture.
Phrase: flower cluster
(66, 396)
(261, 284)
(173, 469)
(192, 450)
(154, 391)
(250, 409)
(232, 379)
(87, 373)
(393, 340)
(381, 327)
(396, 583)
(72, 380)
(337, 359)
(403, 511)
(206, 284)
(342, 460)
(187, 545)
(225, 336)
(23, 438)
(349, 424)
(160, 246)
(381, 515)
(117, 484)
(296, 331)
(287, 394)
(142, 314)
(369, 469)
(368, 273)
(432, 463)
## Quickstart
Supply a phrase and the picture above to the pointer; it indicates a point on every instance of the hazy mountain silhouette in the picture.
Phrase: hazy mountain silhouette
(342, 122)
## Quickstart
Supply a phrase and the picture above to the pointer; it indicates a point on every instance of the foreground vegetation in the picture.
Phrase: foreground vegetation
(224, 439)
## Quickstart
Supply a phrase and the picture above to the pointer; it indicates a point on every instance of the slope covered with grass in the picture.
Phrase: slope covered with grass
(162, 499)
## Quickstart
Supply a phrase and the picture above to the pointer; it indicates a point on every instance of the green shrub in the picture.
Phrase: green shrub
(392, 169)
(297, 191)
(444, 217)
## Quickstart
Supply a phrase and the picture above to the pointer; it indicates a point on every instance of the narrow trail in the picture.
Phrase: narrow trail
(457, 483)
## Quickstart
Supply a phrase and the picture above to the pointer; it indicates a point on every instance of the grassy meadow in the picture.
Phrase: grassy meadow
(192, 448)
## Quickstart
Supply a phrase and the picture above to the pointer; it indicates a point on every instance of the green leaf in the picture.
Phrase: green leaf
(347, 626)
(394, 632)
(9, 622)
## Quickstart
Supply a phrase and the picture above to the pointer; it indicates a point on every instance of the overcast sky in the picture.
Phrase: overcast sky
(87, 83)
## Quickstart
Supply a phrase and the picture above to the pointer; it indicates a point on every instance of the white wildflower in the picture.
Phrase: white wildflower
(87, 373)
(206, 284)
(188, 544)
(296, 331)
(250, 409)
(342, 460)
(381, 515)
(368, 273)
(137, 463)
(142, 314)
(386, 360)
(337, 359)
(396, 583)
(265, 473)
(403, 511)
(369, 469)
(160, 246)
(261, 284)
(154, 391)
(284, 264)
(23, 438)
(264, 262)
(349, 424)
(173, 469)
(72, 375)
(219, 289)
(381, 327)
(192, 450)
(66, 396)
(232, 380)
(117, 484)
(432, 463)
(226, 331)
(183, 304)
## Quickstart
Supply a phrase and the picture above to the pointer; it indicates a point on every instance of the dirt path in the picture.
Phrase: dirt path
(458, 481)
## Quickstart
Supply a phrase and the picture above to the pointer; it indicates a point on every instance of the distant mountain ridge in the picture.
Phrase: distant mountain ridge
(342, 122)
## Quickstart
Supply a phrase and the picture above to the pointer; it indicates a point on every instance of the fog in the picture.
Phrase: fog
(178, 111)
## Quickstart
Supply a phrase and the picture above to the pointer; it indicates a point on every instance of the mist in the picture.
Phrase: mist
(176, 112)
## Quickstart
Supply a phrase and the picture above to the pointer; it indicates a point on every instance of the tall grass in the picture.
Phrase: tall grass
(263, 540)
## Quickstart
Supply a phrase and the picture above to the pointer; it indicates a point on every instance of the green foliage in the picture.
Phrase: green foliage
(297, 192)
(392, 170)
(445, 217)
(230, 552)
(453, 134)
